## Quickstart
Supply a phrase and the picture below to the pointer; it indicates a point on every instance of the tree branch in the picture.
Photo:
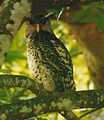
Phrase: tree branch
(56, 102)
(49, 4)
(8, 81)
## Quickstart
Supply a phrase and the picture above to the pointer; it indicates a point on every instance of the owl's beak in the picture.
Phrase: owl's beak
(37, 28)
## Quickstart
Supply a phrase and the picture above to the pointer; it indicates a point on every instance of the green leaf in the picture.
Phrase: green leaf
(5, 71)
(4, 98)
(57, 12)
(91, 13)
(75, 51)
(13, 55)
(83, 16)
(100, 22)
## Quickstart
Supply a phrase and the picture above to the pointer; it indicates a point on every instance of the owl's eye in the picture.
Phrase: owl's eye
(31, 21)
(39, 19)
(43, 21)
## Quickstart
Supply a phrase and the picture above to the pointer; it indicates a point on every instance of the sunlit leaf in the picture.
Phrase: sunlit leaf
(13, 55)
(91, 13)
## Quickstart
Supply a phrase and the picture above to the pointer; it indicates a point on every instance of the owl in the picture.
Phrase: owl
(49, 61)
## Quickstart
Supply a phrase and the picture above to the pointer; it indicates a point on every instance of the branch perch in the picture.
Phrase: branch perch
(8, 81)
(56, 102)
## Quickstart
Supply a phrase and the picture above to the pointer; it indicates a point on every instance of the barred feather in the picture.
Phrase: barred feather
(50, 62)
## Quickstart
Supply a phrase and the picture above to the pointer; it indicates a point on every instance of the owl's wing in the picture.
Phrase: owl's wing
(64, 54)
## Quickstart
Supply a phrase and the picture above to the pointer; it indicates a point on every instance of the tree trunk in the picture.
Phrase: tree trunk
(92, 44)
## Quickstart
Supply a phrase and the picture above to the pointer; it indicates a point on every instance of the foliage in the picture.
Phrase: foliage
(91, 13)
(57, 12)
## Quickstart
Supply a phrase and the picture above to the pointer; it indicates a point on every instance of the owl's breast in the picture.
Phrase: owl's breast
(46, 64)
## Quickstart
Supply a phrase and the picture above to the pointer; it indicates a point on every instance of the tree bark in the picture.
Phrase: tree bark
(92, 44)
(8, 81)
(63, 102)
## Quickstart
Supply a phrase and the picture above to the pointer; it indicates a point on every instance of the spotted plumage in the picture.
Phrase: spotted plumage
(49, 61)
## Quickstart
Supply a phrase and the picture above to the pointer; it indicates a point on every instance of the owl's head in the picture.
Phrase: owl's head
(37, 24)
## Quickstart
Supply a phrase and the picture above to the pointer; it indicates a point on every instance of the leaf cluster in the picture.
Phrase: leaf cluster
(91, 13)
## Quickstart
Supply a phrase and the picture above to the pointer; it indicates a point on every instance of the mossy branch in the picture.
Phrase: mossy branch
(54, 102)
(8, 81)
